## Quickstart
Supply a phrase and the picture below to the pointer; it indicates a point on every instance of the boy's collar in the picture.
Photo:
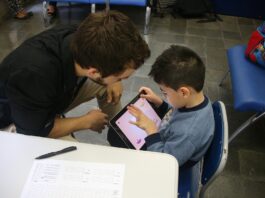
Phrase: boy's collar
(197, 107)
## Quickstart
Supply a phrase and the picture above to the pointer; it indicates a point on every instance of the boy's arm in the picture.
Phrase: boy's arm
(178, 146)
(149, 95)
(161, 106)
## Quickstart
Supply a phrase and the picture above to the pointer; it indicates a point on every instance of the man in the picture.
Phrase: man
(58, 69)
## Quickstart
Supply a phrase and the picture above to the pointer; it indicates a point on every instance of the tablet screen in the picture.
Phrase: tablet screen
(134, 134)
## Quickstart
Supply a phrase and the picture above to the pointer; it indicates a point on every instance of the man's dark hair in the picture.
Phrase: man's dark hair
(108, 41)
(179, 66)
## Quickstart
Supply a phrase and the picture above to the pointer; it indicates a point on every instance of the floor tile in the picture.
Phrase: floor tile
(252, 165)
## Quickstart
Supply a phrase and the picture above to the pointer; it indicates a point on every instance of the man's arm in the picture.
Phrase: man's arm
(94, 120)
(32, 108)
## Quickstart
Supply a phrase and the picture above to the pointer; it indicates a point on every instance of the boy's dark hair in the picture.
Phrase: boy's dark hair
(179, 66)
(107, 41)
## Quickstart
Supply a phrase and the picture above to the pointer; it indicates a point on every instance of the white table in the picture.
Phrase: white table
(147, 174)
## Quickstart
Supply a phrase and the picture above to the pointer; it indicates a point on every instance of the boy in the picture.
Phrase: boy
(187, 135)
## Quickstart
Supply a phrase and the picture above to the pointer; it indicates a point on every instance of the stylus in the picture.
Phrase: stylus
(65, 150)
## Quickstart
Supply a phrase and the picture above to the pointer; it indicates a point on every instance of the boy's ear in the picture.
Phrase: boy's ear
(184, 91)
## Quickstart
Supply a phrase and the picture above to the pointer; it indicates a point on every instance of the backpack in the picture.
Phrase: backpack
(255, 51)
(191, 8)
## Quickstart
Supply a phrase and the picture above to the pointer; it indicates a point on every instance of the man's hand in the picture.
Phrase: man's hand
(114, 92)
(149, 95)
(142, 121)
(95, 120)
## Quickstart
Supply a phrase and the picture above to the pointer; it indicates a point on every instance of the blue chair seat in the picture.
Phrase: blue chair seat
(248, 80)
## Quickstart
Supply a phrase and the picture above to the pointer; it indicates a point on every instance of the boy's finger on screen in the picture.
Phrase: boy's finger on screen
(134, 123)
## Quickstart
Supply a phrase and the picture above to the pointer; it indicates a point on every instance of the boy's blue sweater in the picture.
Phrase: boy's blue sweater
(187, 135)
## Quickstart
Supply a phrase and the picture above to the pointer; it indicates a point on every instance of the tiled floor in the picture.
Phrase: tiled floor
(244, 175)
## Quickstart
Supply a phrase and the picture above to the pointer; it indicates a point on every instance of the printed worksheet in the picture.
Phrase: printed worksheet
(70, 179)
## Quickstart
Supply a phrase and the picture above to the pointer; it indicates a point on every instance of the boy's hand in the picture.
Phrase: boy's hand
(148, 94)
(142, 121)
(114, 92)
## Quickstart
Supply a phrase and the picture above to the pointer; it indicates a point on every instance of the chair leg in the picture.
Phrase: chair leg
(221, 83)
(250, 121)
(202, 193)
(147, 19)
(93, 8)
(107, 5)
(46, 18)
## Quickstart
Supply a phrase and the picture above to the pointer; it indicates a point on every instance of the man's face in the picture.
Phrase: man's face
(114, 78)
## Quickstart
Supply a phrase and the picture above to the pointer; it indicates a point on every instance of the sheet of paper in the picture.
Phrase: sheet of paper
(64, 179)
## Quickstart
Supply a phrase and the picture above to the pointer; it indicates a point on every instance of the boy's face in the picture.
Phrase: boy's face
(176, 98)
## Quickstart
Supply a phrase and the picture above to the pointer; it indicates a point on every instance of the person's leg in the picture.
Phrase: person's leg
(91, 90)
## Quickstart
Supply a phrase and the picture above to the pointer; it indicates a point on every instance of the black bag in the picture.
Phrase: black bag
(191, 8)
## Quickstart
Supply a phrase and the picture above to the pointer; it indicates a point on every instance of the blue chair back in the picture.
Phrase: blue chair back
(122, 2)
(215, 158)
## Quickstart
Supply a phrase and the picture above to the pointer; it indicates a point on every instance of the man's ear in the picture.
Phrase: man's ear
(92, 73)
(185, 91)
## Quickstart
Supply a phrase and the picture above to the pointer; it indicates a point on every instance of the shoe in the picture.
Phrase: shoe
(26, 16)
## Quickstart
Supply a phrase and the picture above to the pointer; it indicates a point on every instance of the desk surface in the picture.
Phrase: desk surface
(156, 173)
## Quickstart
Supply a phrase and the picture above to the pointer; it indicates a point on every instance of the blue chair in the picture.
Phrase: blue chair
(191, 183)
(215, 158)
(141, 3)
(247, 82)
(47, 19)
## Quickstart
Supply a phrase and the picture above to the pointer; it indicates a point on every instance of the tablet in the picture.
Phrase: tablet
(132, 135)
